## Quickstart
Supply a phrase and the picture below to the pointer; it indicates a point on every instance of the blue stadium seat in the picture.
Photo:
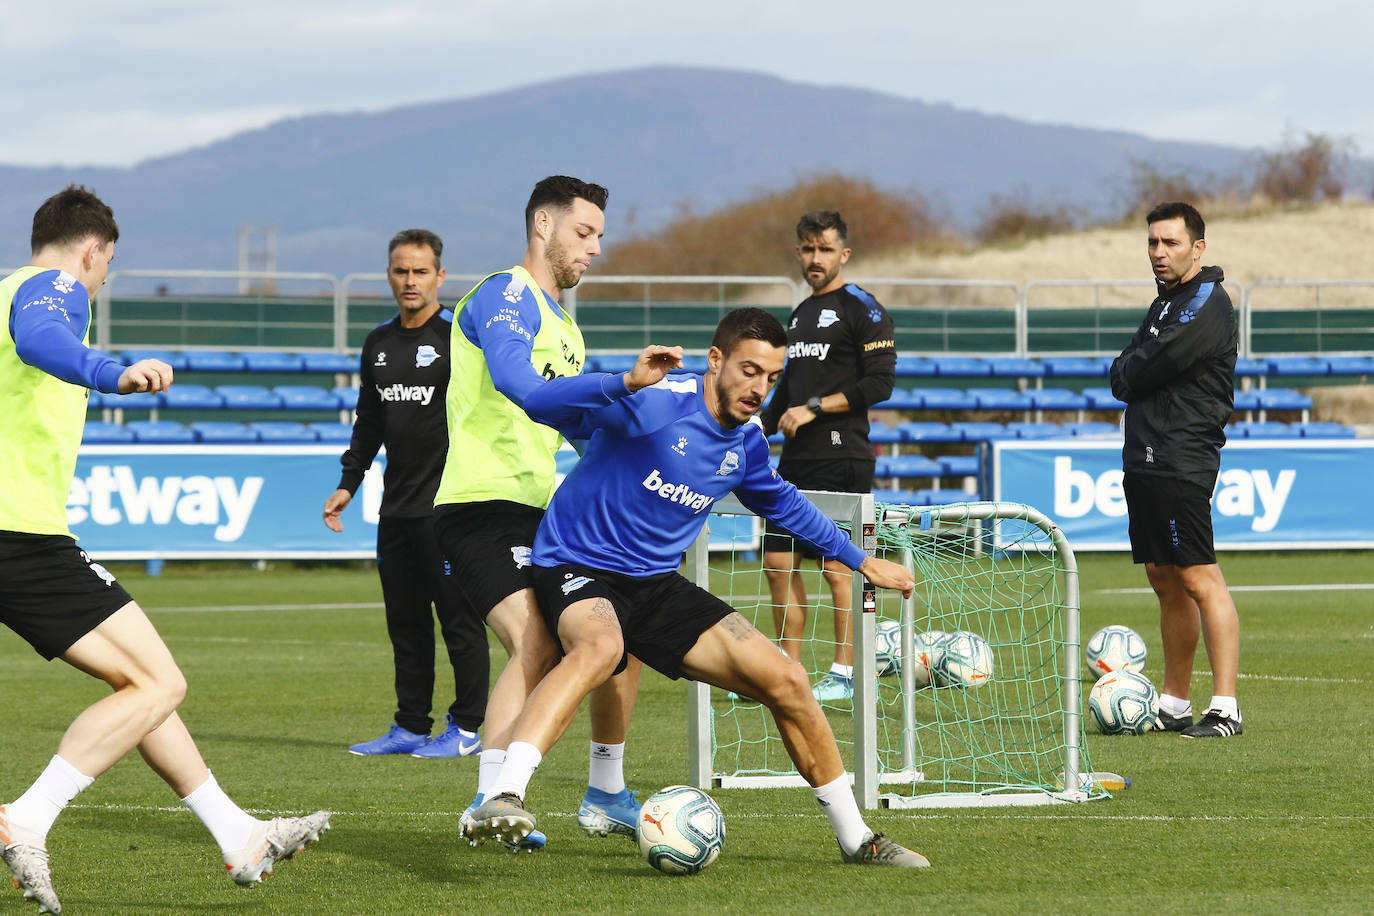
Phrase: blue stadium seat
(192, 397)
(882, 434)
(896, 497)
(348, 397)
(1298, 365)
(1036, 430)
(1016, 367)
(272, 361)
(945, 399)
(1058, 399)
(139, 400)
(341, 433)
(1326, 430)
(961, 366)
(1247, 400)
(943, 497)
(1266, 430)
(906, 466)
(613, 362)
(161, 431)
(1000, 399)
(1095, 429)
(1073, 366)
(1245, 366)
(284, 431)
(902, 399)
(98, 432)
(958, 465)
(777, 439)
(329, 362)
(224, 431)
(306, 397)
(981, 432)
(914, 367)
(694, 364)
(170, 357)
(213, 361)
(1351, 365)
(1283, 399)
(925, 431)
(249, 397)
(1102, 399)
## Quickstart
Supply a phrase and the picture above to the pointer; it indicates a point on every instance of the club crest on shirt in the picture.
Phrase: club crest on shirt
(381, 358)
(730, 464)
(681, 447)
(515, 290)
(425, 355)
(63, 282)
(827, 318)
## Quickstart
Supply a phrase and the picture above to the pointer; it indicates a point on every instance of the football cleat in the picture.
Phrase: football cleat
(451, 742)
(396, 741)
(28, 862)
(1168, 723)
(602, 814)
(1213, 724)
(274, 841)
(502, 818)
(834, 687)
(877, 849)
(528, 843)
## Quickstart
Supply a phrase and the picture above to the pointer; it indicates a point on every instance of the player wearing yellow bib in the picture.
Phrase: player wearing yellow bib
(510, 336)
(60, 601)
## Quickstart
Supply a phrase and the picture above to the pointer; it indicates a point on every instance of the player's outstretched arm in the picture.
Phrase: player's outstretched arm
(654, 362)
(151, 375)
(886, 574)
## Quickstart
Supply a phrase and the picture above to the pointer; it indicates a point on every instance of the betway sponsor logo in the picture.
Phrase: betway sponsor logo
(399, 392)
(817, 350)
(110, 495)
(679, 493)
(1238, 492)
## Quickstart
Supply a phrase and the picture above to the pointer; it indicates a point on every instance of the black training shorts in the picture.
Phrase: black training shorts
(1170, 521)
(51, 592)
(835, 476)
(488, 545)
(661, 617)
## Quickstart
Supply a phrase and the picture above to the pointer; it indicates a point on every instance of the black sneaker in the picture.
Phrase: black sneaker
(1213, 724)
(1168, 723)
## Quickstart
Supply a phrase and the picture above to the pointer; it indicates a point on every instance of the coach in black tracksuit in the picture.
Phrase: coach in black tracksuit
(1177, 378)
(841, 358)
(405, 373)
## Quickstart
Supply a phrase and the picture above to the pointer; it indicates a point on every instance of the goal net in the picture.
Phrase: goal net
(999, 725)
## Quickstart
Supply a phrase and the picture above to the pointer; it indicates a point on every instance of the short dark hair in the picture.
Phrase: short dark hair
(560, 191)
(70, 215)
(418, 237)
(748, 324)
(818, 221)
(1192, 220)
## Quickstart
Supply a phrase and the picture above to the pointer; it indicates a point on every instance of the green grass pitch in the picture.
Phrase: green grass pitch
(1277, 821)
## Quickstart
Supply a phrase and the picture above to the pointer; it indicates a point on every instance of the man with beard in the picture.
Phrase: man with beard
(510, 337)
(841, 358)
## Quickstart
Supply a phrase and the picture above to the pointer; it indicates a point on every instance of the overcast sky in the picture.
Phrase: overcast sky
(107, 83)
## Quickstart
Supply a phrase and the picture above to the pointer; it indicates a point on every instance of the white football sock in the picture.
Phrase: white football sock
(522, 759)
(837, 801)
(35, 810)
(843, 671)
(1227, 705)
(606, 770)
(489, 769)
(230, 825)
(1175, 706)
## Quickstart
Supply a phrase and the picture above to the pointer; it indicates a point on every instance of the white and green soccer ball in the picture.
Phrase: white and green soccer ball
(680, 830)
(888, 647)
(1115, 648)
(966, 661)
(927, 653)
(1124, 703)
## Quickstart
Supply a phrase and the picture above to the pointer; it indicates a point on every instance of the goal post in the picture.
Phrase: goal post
(1001, 570)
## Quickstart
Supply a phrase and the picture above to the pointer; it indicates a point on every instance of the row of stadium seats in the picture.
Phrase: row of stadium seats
(907, 366)
(916, 432)
(1063, 399)
(168, 432)
(243, 397)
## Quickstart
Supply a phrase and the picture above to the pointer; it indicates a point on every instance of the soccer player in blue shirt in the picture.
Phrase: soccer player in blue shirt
(606, 556)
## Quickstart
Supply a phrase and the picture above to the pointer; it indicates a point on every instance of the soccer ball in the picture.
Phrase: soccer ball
(681, 830)
(888, 647)
(1115, 648)
(965, 662)
(1124, 703)
(927, 652)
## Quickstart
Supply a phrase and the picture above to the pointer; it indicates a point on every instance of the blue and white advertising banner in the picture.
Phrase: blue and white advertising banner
(240, 502)
(1270, 494)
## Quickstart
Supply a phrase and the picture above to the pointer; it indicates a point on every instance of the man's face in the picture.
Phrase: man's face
(414, 278)
(1173, 255)
(743, 378)
(821, 257)
(575, 238)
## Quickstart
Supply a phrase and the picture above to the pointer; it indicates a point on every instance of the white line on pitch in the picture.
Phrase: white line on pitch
(1297, 679)
(214, 608)
(1328, 587)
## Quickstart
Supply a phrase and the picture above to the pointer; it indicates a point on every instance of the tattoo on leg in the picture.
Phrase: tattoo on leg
(604, 612)
(737, 626)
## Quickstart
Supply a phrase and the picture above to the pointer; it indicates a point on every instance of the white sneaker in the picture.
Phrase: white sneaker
(28, 862)
(274, 841)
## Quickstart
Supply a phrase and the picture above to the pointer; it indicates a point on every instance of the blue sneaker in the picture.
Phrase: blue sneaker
(602, 814)
(531, 841)
(452, 742)
(833, 687)
(396, 741)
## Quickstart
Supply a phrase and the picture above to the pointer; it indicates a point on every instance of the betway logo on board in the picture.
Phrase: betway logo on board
(399, 392)
(1238, 492)
(817, 350)
(678, 493)
(111, 495)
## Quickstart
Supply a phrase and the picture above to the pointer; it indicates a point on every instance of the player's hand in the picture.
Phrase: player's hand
(653, 363)
(886, 574)
(151, 375)
(794, 419)
(336, 503)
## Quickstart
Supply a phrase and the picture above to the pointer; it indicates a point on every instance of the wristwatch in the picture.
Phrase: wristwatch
(814, 404)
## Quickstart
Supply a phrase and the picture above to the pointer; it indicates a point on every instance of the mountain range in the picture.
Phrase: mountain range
(337, 186)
